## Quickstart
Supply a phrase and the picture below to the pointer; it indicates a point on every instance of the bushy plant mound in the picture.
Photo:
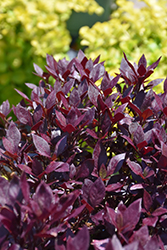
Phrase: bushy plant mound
(134, 29)
(85, 166)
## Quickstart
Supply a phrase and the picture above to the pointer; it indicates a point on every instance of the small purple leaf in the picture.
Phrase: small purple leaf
(44, 197)
(61, 146)
(93, 94)
(80, 241)
(135, 167)
(57, 167)
(13, 134)
(24, 187)
(38, 70)
(97, 192)
(113, 163)
(41, 145)
(51, 99)
(5, 108)
(85, 169)
(23, 115)
(147, 200)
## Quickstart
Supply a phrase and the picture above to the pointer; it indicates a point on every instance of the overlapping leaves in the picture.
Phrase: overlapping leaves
(84, 161)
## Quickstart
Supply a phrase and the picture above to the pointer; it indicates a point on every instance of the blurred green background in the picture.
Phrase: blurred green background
(29, 29)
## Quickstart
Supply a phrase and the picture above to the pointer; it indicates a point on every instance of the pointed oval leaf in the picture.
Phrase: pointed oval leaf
(113, 163)
(147, 200)
(23, 115)
(135, 167)
(57, 167)
(9, 146)
(97, 192)
(44, 197)
(13, 134)
(80, 241)
(41, 145)
(61, 146)
(51, 99)
(38, 70)
(24, 187)
(5, 108)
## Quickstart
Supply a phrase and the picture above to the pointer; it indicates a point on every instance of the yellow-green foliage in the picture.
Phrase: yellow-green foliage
(132, 30)
(28, 30)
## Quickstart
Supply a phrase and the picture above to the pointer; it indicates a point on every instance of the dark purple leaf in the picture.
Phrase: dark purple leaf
(141, 70)
(142, 61)
(61, 118)
(117, 117)
(93, 94)
(158, 102)
(25, 168)
(41, 145)
(154, 65)
(80, 241)
(135, 108)
(152, 244)
(141, 235)
(129, 140)
(113, 163)
(86, 188)
(14, 191)
(159, 211)
(24, 187)
(150, 221)
(5, 108)
(113, 187)
(37, 113)
(23, 115)
(147, 113)
(97, 72)
(114, 244)
(61, 146)
(68, 86)
(4, 186)
(129, 221)
(38, 70)
(10, 146)
(51, 99)
(135, 167)
(97, 192)
(37, 168)
(13, 134)
(44, 197)
(85, 169)
(74, 98)
(57, 167)
(137, 131)
(147, 199)
(51, 62)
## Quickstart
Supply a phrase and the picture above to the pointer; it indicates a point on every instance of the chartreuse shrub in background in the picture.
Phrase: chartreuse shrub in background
(132, 30)
(30, 29)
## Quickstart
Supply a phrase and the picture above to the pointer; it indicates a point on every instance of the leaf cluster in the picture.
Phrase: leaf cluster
(84, 167)
(132, 29)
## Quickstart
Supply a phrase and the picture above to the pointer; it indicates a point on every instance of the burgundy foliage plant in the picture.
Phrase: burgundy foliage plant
(83, 161)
